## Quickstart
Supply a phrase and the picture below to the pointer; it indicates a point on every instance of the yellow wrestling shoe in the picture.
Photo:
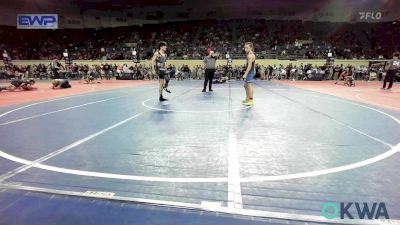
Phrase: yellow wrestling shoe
(248, 103)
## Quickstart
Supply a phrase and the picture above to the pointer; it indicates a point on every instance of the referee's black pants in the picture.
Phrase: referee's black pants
(389, 78)
(208, 77)
(56, 75)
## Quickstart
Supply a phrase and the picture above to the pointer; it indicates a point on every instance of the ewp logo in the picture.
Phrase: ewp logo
(37, 21)
(331, 210)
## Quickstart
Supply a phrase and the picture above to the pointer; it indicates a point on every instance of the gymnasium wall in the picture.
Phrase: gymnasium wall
(84, 14)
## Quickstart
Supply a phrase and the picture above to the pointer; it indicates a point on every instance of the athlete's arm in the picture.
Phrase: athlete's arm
(387, 67)
(153, 62)
(215, 55)
(30, 87)
(11, 88)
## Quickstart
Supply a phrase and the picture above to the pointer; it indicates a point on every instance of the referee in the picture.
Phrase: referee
(392, 67)
(55, 67)
(209, 65)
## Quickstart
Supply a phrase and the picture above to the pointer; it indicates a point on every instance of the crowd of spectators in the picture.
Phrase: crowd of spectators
(190, 39)
(143, 72)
